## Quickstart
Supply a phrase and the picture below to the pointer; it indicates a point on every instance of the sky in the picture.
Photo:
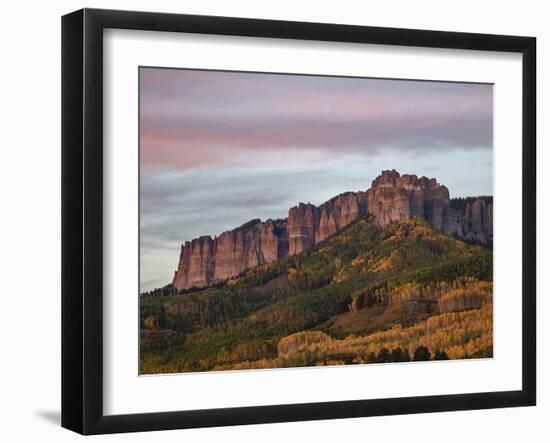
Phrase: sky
(219, 148)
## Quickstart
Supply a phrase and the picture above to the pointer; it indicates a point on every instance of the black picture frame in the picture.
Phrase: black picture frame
(82, 219)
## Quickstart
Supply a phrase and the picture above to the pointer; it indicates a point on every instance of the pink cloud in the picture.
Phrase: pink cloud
(195, 119)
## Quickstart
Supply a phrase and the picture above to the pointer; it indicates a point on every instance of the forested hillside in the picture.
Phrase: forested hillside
(364, 295)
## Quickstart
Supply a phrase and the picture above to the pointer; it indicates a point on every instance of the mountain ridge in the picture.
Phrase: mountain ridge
(392, 197)
(362, 292)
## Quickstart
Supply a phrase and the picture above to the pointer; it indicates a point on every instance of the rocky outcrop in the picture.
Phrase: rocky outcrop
(392, 197)
(303, 221)
(195, 267)
(471, 219)
(308, 224)
(339, 212)
(207, 260)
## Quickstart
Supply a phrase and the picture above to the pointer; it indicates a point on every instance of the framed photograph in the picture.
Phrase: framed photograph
(268, 221)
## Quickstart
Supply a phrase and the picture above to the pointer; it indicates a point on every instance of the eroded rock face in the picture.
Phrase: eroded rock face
(195, 267)
(207, 260)
(302, 223)
(392, 197)
(471, 219)
(309, 224)
(339, 212)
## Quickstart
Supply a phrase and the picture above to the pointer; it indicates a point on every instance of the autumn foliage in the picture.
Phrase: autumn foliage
(366, 295)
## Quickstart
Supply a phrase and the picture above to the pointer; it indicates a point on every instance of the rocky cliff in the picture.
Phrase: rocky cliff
(471, 219)
(308, 225)
(391, 197)
(207, 260)
(394, 197)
